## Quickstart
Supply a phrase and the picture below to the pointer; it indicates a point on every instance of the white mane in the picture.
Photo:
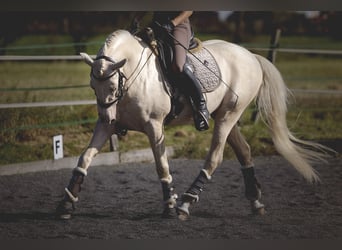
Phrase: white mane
(113, 40)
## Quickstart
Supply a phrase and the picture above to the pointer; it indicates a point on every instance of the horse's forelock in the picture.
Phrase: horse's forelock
(102, 68)
(98, 68)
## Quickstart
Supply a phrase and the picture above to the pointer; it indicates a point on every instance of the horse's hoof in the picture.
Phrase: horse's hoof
(64, 210)
(183, 211)
(258, 208)
(64, 216)
(259, 211)
(183, 216)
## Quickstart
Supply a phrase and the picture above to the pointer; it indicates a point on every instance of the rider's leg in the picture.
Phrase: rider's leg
(193, 89)
(182, 34)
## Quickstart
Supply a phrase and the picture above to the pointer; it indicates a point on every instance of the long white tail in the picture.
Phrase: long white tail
(272, 104)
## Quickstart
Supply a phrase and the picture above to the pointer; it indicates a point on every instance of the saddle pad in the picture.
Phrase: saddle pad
(205, 69)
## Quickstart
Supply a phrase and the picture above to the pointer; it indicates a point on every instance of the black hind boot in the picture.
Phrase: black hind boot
(193, 89)
(253, 191)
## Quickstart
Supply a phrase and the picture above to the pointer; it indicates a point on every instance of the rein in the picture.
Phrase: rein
(136, 68)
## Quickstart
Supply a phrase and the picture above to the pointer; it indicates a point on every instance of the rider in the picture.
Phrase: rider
(177, 24)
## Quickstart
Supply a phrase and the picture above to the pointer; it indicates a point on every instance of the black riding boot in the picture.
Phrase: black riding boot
(193, 89)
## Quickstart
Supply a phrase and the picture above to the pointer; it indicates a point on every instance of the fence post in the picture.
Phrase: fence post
(274, 44)
(113, 143)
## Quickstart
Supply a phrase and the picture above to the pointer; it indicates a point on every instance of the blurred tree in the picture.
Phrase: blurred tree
(333, 21)
(241, 25)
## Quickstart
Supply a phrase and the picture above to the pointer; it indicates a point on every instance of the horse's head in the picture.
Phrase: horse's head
(107, 82)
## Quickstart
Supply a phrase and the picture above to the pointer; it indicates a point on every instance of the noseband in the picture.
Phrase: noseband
(119, 92)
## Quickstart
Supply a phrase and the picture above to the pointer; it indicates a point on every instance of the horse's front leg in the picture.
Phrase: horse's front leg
(243, 152)
(155, 132)
(101, 133)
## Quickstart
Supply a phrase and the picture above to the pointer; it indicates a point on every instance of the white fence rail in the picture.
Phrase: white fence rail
(46, 104)
(77, 57)
(302, 51)
(93, 102)
(40, 58)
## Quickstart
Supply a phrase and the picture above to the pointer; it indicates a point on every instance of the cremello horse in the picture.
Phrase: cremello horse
(130, 91)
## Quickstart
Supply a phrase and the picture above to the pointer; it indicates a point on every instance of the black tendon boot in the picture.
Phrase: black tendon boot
(67, 205)
(192, 194)
(169, 199)
(193, 89)
(252, 186)
(253, 191)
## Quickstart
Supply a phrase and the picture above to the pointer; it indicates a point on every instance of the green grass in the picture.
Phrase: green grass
(26, 134)
(26, 76)
(312, 72)
(41, 45)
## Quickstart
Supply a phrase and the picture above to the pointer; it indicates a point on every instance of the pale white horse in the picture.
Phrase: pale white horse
(130, 90)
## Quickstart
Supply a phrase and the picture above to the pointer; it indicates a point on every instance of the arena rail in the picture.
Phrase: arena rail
(77, 57)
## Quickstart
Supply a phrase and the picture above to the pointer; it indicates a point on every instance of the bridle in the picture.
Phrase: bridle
(119, 93)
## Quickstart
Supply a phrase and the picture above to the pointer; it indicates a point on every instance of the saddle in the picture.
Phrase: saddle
(199, 58)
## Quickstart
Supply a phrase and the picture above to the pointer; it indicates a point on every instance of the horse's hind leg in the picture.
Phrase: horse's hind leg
(66, 206)
(243, 152)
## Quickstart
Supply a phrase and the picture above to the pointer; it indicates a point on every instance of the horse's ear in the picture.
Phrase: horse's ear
(119, 64)
(87, 58)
